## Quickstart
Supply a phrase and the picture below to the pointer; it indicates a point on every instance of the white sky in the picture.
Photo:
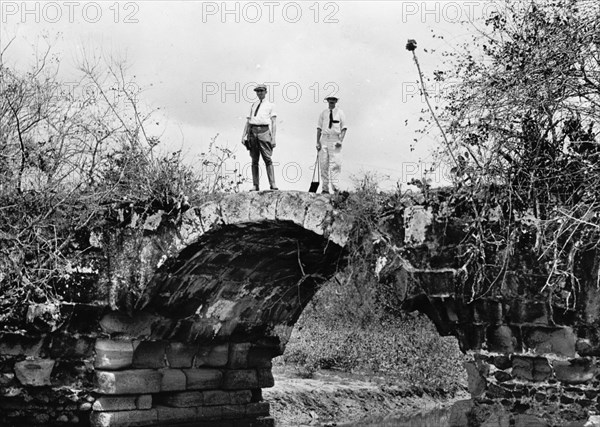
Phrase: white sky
(198, 62)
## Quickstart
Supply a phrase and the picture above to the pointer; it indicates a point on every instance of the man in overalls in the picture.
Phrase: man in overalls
(331, 130)
(258, 138)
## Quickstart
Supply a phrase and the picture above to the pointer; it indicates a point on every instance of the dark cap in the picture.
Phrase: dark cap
(333, 98)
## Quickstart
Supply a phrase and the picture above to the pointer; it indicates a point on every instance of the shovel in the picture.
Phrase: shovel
(314, 185)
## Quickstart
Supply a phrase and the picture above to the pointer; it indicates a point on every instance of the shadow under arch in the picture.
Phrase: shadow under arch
(246, 281)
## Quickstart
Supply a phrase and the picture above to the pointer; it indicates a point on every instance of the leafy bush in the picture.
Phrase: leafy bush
(67, 154)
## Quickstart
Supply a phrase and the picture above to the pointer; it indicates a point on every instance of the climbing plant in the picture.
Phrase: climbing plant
(520, 113)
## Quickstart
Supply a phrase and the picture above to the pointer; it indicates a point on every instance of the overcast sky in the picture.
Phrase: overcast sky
(198, 62)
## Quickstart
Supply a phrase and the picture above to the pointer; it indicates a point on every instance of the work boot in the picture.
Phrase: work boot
(271, 176)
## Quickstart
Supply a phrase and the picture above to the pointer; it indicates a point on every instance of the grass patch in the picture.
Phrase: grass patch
(334, 333)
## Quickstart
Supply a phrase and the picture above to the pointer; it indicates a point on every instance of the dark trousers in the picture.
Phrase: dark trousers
(259, 141)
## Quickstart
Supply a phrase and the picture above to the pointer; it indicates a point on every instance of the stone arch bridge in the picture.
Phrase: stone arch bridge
(173, 319)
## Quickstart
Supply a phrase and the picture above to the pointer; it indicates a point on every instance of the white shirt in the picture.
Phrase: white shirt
(265, 112)
(339, 122)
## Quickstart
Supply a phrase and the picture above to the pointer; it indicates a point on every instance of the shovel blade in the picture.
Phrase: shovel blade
(313, 187)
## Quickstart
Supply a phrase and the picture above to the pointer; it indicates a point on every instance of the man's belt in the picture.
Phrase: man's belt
(259, 126)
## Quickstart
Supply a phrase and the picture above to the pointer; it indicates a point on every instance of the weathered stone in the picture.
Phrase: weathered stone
(527, 311)
(180, 355)
(264, 422)
(417, 220)
(576, 371)
(149, 354)
(240, 379)
(176, 415)
(173, 380)
(260, 357)
(257, 409)
(124, 418)
(216, 397)
(115, 403)
(488, 311)
(71, 346)
(501, 362)
(502, 376)
(238, 355)
(34, 373)
(542, 340)
(522, 368)
(210, 412)
(240, 397)
(203, 379)
(265, 378)
(233, 411)
(113, 355)
(183, 399)
(137, 381)
(212, 356)
(122, 325)
(12, 344)
(500, 339)
(542, 370)
(144, 401)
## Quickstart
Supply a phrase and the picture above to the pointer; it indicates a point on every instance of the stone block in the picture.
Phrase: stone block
(542, 370)
(113, 355)
(527, 311)
(263, 422)
(240, 379)
(20, 345)
(257, 409)
(212, 356)
(203, 379)
(122, 325)
(149, 354)
(501, 362)
(543, 340)
(240, 397)
(488, 311)
(500, 339)
(71, 346)
(502, 376)
(238, 355)
(124, 418)
(34, 373)
(210, 413)
(182, 399)
(265, 378)
(233, 411)
(169, 415)
(173, 380)
(575, 371)
(216, 397)
(522, 367)
(180, 355)
(260, 357)
(135, 381)
(476, 382)
(115, 403)
(144, 401)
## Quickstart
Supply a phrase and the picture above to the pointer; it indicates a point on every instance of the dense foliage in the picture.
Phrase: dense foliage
(520, 114)
(67, 151)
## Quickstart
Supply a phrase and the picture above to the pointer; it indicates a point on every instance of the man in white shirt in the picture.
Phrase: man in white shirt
(331, 130)
(258, 138)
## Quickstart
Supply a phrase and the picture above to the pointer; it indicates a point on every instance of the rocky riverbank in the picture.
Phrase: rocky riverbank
(334, 398)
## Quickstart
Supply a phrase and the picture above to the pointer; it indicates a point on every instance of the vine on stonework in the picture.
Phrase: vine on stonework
(520, 129)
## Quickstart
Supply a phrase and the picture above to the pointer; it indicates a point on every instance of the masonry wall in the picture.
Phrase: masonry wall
(93, 371)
